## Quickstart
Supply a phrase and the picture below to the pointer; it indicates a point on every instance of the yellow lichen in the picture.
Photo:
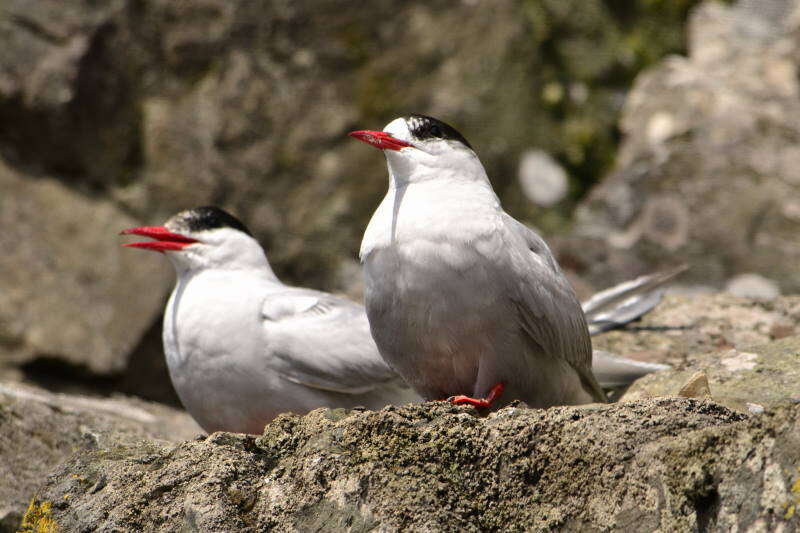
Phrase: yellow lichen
(38, 519)
(793, 506)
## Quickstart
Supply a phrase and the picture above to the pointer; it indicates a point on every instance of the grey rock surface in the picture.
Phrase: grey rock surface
(745, 379)
(543, 181)
(68, 290)
(687, 324)
(749, 285)
(652, 461)
(39, 430)
(660, 464)
(708, 169)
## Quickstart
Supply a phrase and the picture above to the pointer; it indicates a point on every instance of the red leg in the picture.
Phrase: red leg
(494, 394)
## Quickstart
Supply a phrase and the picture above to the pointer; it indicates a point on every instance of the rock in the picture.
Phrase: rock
(69, 291)
(748, 380)
(661, 464)
(543, 181)
(149, 107)
(685, 324)
(39, 430)
(753, 286)
(708, 171)
(696, 387)
(170, 105)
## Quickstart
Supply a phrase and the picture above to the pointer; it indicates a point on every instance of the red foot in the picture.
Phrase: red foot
(494, 394)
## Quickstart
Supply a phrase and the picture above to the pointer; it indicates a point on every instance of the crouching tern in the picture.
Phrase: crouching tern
(242, 347)
(464, 301)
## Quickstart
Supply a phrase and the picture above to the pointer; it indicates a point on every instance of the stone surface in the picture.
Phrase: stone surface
(709, 168)
(688, 324)
(764, 375)
(135, 110)
(544, 182)
(39, 430)
(663, 464)
(755, 286)
(69, 291)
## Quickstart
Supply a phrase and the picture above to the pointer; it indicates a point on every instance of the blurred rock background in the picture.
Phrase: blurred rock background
(709, 168)
(122, 113)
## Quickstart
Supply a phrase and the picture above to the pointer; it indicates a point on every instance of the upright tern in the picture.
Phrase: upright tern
(242, 347)
(465, 302)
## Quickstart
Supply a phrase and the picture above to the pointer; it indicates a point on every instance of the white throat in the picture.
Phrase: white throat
(222, 250)
(427, 199)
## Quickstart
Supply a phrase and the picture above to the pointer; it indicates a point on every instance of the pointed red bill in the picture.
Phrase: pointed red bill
(164, 239)
(379, 139)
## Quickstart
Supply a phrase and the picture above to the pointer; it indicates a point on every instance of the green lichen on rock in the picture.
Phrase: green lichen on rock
(683, 325)
(39, 518)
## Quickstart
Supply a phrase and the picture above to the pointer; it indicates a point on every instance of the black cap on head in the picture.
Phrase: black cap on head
(208, 217)
(425, 127)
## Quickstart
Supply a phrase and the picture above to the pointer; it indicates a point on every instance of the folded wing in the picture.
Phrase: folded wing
(322, 341)
(549, 311)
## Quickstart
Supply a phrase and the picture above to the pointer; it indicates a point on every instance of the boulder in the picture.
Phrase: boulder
(163, 106)
(708, 172)
(39, 430)
(69, 292)
(669, 464)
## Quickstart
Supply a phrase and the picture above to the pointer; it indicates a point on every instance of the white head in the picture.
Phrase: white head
(420, 148)
(204, 238)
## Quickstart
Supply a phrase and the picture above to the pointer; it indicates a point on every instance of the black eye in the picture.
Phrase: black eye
(435, 130)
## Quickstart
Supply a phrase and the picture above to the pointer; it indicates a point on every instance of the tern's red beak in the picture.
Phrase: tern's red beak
(379, 139)
(164, 239)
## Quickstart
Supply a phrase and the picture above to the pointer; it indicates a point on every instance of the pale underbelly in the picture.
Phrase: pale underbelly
(445, 341)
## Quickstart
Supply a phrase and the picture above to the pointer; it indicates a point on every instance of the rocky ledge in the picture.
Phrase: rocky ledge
(39, 430)
(727, 458)
(670, 464)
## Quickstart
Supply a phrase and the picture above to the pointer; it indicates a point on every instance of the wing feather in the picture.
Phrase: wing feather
(549, 311)
(322, 341)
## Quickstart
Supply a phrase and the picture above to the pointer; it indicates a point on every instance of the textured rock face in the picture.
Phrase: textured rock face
(649, 462)
(683, 325)
(66, 289)
(668, 464)
(747, 380)
(39, 430)
(709, 170)
(135, 110)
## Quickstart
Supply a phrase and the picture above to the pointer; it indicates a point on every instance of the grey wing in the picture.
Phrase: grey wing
(322, 341)
(549, 310)
(616, 371)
